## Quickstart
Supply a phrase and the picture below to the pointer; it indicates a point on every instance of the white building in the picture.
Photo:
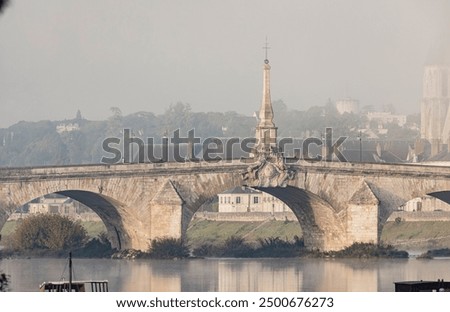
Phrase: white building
(384, 118)
(425, 204)
(56, 204)
(244, 199)
(69, 127)
(347, 105)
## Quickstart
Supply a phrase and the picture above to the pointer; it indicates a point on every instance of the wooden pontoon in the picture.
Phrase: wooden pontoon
(74, 286)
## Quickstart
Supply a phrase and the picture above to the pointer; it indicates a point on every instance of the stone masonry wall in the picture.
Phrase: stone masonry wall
(417, 216)
(246, 216)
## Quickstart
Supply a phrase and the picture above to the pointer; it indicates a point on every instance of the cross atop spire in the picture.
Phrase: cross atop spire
(266, 132)
(266, 47)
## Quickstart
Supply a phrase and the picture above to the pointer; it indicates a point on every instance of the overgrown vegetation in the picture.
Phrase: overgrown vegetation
(97, 247)
(48, 232)
(93, 228)
(159, 248)
(274, 247)
(238, 247)
(168, 248)
(206, 239)
(54, 235)
(430, 254)
(4, 282)
(368, 250)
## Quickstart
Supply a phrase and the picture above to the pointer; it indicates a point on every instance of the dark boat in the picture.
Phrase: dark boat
(422, 286)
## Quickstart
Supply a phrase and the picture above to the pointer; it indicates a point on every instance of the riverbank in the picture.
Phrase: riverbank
(418, 236)
(271, 238)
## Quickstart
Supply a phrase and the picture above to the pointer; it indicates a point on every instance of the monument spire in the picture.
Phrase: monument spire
(266, 132)
(269, 168)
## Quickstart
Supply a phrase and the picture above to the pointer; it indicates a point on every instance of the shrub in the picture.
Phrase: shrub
(206, 250)
(276, 247)
(97, 247)
(430, 254)
(4, 282)
(49, 232)
(235, 246)
(168, 248)
(369, 250)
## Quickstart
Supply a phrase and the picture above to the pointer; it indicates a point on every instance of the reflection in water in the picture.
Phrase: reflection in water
(271, 275)
(262, 275)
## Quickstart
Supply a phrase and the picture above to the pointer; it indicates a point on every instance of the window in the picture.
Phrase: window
(255, 199)
(238, 199)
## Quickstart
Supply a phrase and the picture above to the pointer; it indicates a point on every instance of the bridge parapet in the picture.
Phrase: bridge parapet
(361, 169)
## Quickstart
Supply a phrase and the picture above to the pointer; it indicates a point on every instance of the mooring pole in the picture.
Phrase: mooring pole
(70, 271)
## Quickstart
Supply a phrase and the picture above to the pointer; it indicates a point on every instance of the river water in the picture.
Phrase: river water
(229, 274)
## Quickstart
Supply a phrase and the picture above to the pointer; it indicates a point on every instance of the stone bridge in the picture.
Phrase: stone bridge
(336, 204)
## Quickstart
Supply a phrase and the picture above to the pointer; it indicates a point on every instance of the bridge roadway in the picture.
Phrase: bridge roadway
(336, 203)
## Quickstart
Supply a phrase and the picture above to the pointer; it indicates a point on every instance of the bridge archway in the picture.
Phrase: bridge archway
(420, 223)
(321, 225)
(107, 208)
(442, 195)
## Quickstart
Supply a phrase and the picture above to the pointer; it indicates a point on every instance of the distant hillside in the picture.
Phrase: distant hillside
(60, 143)
(79, 141)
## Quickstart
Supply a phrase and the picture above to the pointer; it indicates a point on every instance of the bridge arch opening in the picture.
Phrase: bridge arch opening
(101, 211)
(315, 219)
(419, 224)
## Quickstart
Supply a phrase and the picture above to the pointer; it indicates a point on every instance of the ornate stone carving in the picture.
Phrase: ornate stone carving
(268, 171)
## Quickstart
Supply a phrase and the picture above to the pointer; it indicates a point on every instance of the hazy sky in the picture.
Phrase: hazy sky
(57, 56)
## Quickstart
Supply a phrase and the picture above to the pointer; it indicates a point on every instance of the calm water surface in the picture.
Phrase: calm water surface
(230, 274)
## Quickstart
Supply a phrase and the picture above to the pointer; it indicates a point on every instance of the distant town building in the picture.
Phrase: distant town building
(67, 127)
(347, 105)
(384, 118)
(57, 204)
(244, 199)
(425, 204)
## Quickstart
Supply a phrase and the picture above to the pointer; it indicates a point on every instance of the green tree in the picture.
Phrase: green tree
(48, 231)
(115, 122)
(177, 116)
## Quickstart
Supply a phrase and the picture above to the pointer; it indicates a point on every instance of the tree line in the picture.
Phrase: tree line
(40, 143)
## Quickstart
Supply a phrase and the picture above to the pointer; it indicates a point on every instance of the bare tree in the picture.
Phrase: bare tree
(3, 4)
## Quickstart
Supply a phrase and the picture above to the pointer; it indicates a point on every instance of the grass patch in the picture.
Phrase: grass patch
(205, 232)
(421, 234)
